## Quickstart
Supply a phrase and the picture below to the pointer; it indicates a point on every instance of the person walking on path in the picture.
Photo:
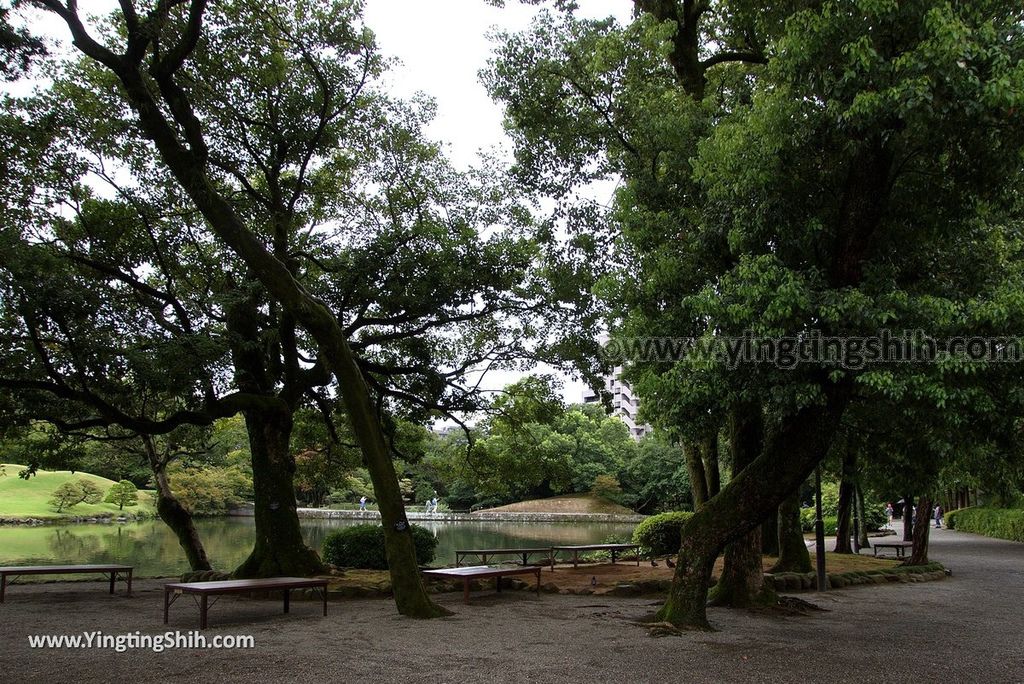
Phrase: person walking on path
(888, 514)
(938, 515)
(362, 504)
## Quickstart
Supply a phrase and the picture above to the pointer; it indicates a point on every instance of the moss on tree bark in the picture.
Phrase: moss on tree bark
(793, 554)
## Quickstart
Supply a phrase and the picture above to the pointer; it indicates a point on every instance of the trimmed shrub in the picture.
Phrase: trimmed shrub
(1001, 523)
(123, 493)
(74, 492)
(362, 546)
(661, 535)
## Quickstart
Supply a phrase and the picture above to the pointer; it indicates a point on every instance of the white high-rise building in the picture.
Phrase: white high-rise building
(625, 404)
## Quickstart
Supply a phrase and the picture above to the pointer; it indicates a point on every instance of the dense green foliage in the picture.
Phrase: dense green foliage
(532, 446)
(210, 490)
(1001, 523)
(362, 546)
(661, 535)
(874, 511)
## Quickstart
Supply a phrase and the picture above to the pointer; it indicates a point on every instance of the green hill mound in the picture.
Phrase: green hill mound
(30, 498)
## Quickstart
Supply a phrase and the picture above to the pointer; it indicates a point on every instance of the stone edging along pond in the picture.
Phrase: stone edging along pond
(798, 581)
(328, 513)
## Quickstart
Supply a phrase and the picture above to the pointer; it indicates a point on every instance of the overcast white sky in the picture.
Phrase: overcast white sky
(441, 45)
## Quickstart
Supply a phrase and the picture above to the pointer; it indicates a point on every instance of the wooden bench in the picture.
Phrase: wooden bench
(614, 548)
(483, 572)
(900, 546)
(112, 570)
(484, 553)
(244, 586)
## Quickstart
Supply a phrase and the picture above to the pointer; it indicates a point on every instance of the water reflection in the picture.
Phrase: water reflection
(153, 549)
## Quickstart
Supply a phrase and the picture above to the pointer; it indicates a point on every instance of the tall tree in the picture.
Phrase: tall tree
(777, 202)
(262, 161)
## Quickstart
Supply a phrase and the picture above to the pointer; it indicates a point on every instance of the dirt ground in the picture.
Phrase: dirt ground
(962, 629)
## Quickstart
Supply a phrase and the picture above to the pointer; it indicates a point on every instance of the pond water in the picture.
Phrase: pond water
(153, 549)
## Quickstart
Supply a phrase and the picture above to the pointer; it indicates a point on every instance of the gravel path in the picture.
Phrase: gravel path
(963, 629)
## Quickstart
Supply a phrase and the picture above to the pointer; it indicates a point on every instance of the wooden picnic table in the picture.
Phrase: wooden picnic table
(460, 555)
(20, 570)
(900, 546)
(614, 548)
(483, 572)
(243, 586)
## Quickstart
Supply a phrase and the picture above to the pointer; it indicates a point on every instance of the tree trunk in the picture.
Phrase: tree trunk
(788, 458)
(174, 515)
(846, 497)
(843, 518)
(922, 527)
(280, 550)
(793, 553)
(862, 528)
(742, 581)
(709, 454)
(908, 517)
(698, 479)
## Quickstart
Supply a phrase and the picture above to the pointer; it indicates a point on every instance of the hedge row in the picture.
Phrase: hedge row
(1002, 523)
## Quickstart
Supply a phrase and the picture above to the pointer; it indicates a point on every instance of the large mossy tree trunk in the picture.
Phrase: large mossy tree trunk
(769, 535)
(742, 581)
(789, 456)
(173, 513)
(709, 454)
(698, 477)
(793, 553)
(279, 550)
(922, 529)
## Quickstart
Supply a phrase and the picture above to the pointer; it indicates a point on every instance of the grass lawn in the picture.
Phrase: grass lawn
(29, 498)
(570, 503)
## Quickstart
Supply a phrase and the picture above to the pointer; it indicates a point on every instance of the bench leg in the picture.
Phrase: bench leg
(129, 582)
(287, 595)
(203, 607)
(324, 594)
(575, 559)
(113, 576)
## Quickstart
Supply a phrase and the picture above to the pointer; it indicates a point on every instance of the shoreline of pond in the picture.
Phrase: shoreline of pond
(76, 520)
(338, 514)
(479, 516)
